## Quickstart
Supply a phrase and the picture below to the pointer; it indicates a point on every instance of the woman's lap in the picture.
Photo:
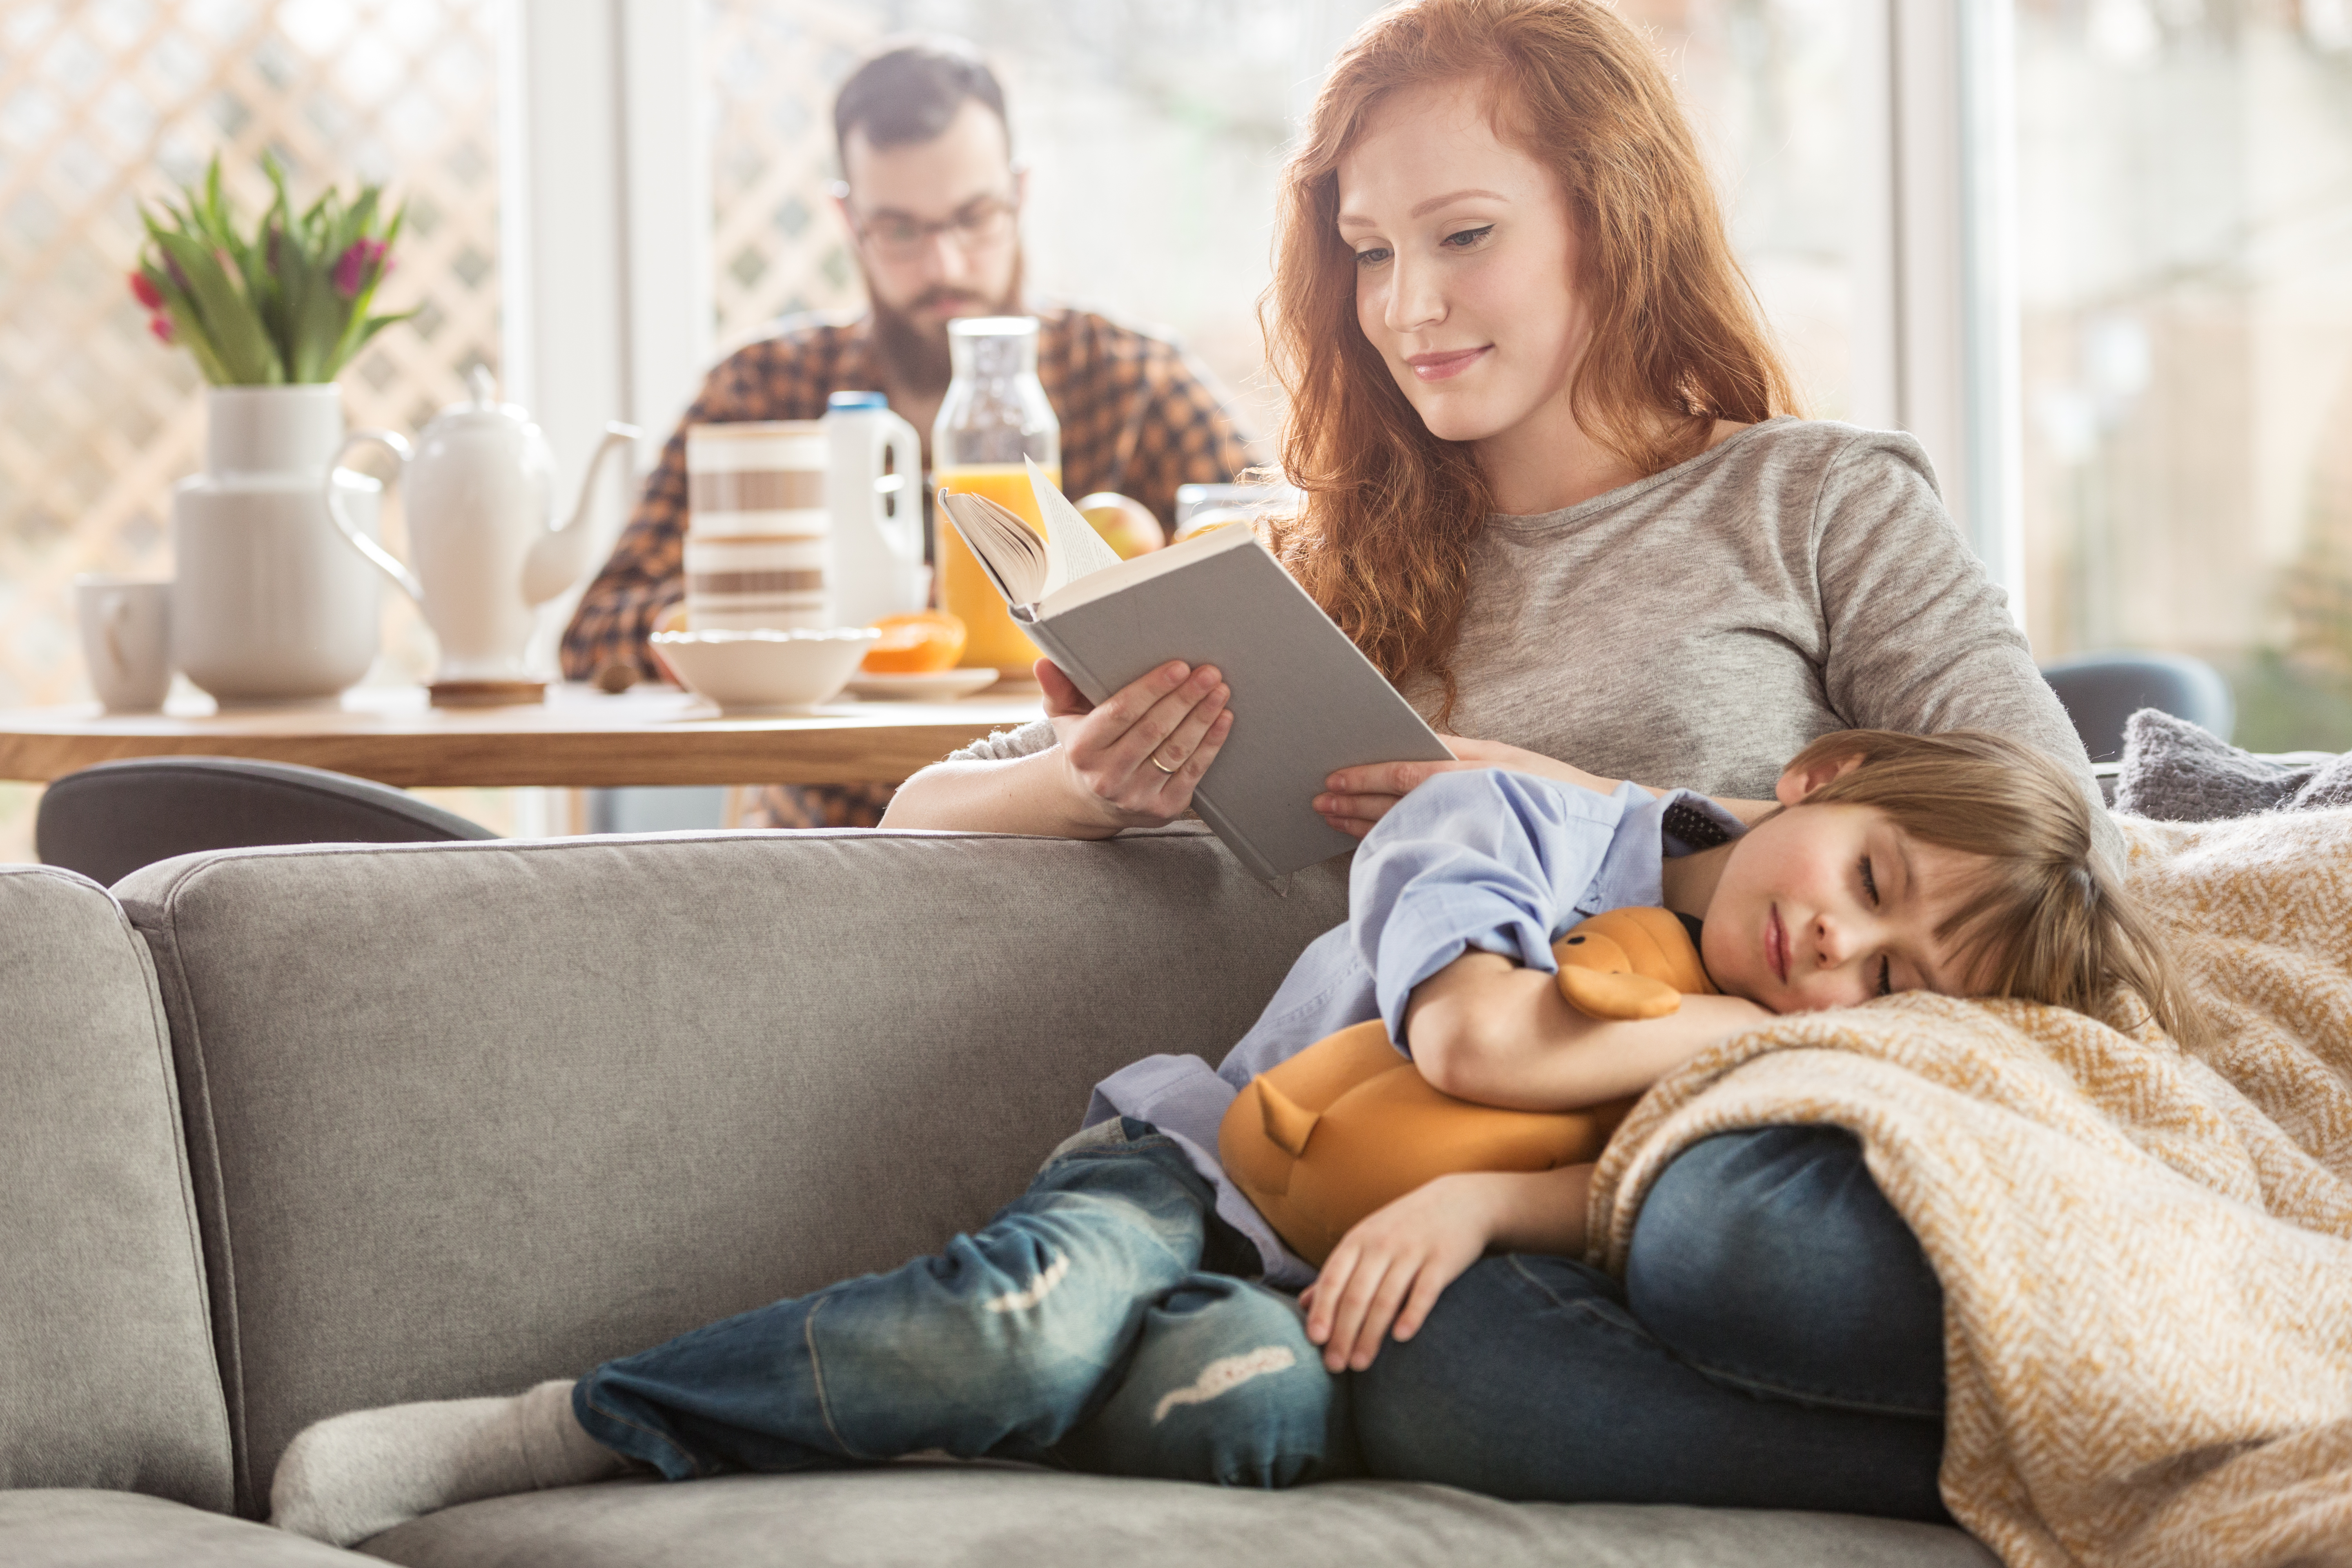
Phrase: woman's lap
(1770, 1260)
(1760, 1257)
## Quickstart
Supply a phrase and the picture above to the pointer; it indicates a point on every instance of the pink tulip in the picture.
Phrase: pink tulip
(357, 265)
(143, 290)
(160, 325)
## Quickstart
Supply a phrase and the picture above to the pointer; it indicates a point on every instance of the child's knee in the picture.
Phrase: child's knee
(1223, 1387)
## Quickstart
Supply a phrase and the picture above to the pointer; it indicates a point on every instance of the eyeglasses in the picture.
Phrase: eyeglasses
(981, 224)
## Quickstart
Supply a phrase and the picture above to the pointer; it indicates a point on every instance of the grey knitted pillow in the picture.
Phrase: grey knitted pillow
(2331, 784)
(2175, 771)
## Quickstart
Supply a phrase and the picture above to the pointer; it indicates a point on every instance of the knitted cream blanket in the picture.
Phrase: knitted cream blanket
(2145, 1257)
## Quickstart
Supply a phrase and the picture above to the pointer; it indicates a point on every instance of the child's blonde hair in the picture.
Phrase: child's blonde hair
(2048, 919)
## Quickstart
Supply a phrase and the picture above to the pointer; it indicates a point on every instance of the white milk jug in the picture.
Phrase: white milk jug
(479, 501)
(874, 489)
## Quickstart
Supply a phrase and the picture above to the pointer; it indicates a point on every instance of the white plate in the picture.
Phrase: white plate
(931, 686)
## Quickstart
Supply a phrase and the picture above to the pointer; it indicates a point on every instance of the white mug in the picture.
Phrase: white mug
(126, 640)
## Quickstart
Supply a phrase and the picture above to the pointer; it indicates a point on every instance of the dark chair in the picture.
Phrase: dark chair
(108, 821)
(2101, 690)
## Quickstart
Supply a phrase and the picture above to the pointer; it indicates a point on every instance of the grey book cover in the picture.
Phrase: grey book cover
(1304, 700)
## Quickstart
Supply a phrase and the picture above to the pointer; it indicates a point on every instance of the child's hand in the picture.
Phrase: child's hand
(1392, 1265)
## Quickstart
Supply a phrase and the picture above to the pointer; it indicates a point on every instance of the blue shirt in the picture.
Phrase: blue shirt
(1500, 861)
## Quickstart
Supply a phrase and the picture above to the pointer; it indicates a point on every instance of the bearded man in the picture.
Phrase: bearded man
(931, 200)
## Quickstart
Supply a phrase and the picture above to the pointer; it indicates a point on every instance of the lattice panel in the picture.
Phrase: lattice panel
(104, 102)
(775, 247)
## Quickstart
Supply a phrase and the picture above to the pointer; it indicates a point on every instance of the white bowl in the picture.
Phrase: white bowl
(765, 671)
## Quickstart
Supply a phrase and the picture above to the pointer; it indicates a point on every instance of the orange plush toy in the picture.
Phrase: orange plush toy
(1349, 1124)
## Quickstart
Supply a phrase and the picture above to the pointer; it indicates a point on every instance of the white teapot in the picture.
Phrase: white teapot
(480, 497)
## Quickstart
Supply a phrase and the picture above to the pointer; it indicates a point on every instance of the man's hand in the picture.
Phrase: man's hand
(1355, 798)
(1117, 756)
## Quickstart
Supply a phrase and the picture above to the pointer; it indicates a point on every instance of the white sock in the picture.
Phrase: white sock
(357, 1475)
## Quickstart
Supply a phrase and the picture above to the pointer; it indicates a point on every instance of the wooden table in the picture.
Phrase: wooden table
(580, 738)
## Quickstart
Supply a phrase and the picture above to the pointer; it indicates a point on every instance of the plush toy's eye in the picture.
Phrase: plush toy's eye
(1576, 941)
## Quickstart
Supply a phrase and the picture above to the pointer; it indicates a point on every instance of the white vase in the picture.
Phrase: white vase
(269, 604)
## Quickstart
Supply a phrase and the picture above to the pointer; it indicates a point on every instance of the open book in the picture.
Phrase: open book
(1304, 700)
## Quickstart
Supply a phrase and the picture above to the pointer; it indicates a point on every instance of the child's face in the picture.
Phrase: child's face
(1828, 906)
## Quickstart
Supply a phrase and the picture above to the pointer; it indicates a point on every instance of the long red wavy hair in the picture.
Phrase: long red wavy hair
(1383, 540)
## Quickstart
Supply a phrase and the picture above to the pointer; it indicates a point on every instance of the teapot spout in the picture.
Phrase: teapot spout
(558, 556)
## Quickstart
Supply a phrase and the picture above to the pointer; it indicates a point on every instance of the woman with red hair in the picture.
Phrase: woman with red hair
(1551, 484)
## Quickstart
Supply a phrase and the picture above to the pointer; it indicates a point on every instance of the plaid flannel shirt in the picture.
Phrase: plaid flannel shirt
(1137, 417)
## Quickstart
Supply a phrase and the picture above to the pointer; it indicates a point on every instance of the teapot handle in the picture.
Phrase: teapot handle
(384, 560)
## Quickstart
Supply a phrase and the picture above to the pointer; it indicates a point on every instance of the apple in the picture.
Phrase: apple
(1125, 524)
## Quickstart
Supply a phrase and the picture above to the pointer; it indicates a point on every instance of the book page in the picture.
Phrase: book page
(1073, 548)
(1006, 547)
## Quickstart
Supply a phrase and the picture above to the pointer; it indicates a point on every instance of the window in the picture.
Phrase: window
(2185, 277)
(1769, 87)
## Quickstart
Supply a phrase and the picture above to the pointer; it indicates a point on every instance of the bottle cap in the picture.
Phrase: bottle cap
(857, 400)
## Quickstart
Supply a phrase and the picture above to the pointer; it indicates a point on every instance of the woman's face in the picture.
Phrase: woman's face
(1465, 262)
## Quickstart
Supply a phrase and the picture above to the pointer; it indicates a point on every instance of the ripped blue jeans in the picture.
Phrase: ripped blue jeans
(1096, 1323)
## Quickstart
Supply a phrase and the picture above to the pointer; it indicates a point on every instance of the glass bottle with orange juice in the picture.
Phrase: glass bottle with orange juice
(995, 416)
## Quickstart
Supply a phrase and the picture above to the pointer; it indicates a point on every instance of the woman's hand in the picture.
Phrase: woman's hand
(1133, 760)
(1357, 798)
(1391, 1268)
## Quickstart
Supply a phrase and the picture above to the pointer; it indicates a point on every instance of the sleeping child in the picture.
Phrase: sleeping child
(1133, 1313)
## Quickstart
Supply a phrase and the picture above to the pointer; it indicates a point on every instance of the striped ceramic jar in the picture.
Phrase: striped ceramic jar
(758, 550)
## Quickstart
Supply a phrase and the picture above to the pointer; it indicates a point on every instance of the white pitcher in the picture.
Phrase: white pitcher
(480, 498)
(877, 516)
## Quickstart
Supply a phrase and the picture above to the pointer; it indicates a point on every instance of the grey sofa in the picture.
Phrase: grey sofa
(290, 1132)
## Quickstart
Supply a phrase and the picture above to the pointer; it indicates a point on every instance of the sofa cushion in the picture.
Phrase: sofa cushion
(80, 1528)
(106, 1365)
(466, 1116)
(976, 1517)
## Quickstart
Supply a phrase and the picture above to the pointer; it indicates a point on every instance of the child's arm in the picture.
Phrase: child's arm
(1487, 1030)
(1392, 1267)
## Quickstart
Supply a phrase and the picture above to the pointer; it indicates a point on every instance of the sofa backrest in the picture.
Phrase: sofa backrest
(106, 1359)
(466, 1116)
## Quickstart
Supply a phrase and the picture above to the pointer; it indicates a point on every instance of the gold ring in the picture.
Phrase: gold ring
(1153, 758)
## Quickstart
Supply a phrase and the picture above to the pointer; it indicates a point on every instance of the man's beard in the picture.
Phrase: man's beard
(915, 358)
